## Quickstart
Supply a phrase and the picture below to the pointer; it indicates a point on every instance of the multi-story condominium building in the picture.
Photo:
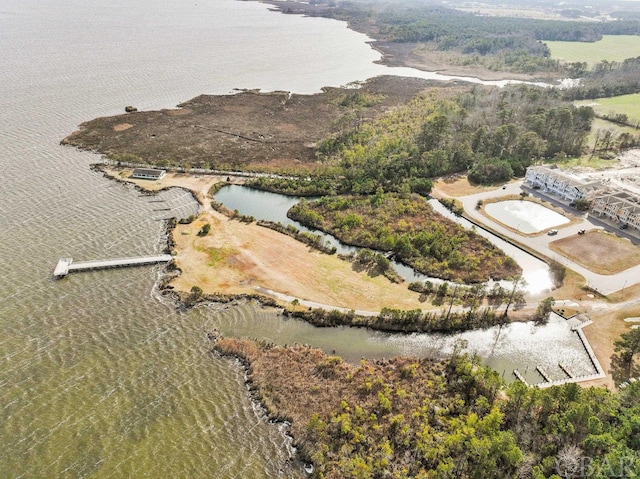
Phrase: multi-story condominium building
(617, 206)
(620, 207)
(558, 183)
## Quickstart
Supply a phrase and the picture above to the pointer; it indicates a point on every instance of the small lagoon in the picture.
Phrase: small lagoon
(273, 207)
(525, 216)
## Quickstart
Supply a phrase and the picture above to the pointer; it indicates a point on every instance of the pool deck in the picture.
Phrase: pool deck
(603, 284)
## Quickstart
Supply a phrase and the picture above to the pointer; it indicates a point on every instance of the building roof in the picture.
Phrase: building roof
(557, 174)
(147, 172)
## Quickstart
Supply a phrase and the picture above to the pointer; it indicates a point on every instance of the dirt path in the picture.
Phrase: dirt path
(239, 258)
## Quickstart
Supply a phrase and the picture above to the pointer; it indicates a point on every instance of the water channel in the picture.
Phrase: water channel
(101, 377)
(519, 345)
(273, 207)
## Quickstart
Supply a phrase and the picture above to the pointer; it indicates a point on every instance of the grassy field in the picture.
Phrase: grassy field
(627, 104)
(611, 47)
(236, 257)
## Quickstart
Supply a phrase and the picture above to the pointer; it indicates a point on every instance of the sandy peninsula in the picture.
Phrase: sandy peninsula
(236, 258)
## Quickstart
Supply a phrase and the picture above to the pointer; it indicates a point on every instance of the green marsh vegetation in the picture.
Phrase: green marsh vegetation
(422, 418)
(407, 226)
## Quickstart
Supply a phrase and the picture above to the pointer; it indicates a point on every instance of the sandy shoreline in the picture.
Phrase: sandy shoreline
(237, 258)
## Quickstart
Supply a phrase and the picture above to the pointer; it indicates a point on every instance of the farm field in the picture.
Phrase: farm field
(611, 48)
(626, 104)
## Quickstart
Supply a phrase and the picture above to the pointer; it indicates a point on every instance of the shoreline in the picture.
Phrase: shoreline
(207, 214)
(400, 298)
(404, 54)
(309, 311)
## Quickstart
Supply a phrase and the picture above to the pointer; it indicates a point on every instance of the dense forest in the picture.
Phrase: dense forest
(450, 28)
(606, 79)
(421, 418)
(493, 134)
(412, 230)
(498, 43)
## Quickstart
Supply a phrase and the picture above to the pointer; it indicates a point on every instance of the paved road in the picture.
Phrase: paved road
(604, 284)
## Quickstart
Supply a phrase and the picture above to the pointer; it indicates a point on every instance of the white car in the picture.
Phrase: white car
(552, 232)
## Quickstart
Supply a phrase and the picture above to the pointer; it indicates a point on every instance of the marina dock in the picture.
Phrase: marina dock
(66, 265)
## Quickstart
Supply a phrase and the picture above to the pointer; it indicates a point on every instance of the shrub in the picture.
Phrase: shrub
(204, 231)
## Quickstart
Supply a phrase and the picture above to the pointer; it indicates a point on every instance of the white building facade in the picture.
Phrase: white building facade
(617, 206)
(620, 207)
(558, 183)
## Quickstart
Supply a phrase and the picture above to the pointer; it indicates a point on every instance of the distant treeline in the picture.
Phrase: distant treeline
(451, 28)
(499, 43)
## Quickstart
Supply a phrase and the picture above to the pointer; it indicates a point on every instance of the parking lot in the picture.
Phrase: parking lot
(602, 283)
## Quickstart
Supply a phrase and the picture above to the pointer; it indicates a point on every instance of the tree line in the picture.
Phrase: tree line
(499, 43)
(492, 134)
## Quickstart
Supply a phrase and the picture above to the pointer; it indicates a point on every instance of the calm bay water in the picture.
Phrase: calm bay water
(100, 377)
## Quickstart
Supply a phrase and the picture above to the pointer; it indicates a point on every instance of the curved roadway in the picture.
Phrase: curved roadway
(603, 284)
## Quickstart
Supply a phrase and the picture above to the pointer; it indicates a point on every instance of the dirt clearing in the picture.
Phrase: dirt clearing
(598, 251)
(236, 257)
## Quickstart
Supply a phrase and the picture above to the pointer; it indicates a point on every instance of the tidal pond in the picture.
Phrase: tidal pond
(525, 216)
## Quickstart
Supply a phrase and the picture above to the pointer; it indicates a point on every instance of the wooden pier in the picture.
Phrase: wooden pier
(520, 377)
(566, 370)
(543, 373)
(66, 265)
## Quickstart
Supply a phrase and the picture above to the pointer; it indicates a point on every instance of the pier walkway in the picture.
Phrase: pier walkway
(66, 265)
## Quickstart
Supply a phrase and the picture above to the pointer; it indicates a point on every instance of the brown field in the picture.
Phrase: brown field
(122, 126)
(600, 252)
(625, 294)
(457, 185)
(249, 129)
(235, 258)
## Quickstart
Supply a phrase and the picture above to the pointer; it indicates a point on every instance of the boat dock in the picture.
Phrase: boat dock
(66, 265)
(520, 377)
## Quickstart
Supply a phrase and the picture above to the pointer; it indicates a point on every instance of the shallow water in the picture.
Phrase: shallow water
(535, 272)
(100, 376)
